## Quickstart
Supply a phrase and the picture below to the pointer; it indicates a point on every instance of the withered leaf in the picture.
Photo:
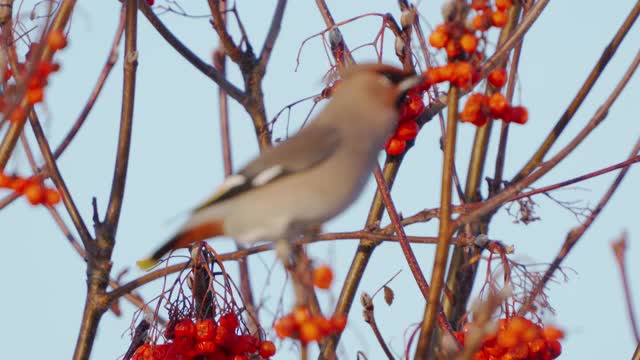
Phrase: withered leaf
(388, 295)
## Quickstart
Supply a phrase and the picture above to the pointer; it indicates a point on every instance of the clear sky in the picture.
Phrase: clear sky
(176, 162)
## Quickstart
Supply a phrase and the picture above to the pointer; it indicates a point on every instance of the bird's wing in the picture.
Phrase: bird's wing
(308, 148)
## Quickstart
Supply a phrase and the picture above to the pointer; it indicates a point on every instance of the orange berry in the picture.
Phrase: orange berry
(462, 74)
(482, 21)
(519, 352)
(309, 331)
(301, 315)
(498, 77)
(267, 349)
(475, 110)
(396, 146)
(323, 324)
(322, 277)
(51, 197)
(503, 5)
(438, 39)
(18, 184)
(552, 333)
(453, 48)
(34, 95)
(479, 5)
(240, 357)
(469, 43)
(285, 326)
(34, 192)
(499, 18)
(537, 345)
(507, 339)
(338, 322)
(517, 325)
(56, 40)
(4, 180)
(407, 130)
(498, 105)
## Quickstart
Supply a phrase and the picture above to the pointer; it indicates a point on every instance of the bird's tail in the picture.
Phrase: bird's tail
(184, 238)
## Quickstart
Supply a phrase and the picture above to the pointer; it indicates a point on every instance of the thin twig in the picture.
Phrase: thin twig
(444, 233)
(574, 236)
(192, 58)
(547, 166)
(586, 87)
(620, 249)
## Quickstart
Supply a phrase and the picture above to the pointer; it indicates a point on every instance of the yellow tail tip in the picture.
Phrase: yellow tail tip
(146, 264)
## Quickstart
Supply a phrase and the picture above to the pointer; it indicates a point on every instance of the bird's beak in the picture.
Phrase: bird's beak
(408, 83)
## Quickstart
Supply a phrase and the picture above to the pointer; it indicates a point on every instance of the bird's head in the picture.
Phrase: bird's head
(372, 93)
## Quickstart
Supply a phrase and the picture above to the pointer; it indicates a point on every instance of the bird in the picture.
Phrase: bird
(310, 177)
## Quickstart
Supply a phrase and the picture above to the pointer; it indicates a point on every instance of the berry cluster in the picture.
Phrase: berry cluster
(479, 107)
(300, 324)
(460, 42)
(412, 106)
(206, 339)
(37, 80)
(487, 16)
(518, 338)
(31, 188)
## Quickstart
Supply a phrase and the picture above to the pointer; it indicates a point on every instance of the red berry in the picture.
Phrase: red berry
(517, 114)
(407, 130)
(205, 329)
(338, 322)
(498, 105)
(223, 334)
(185, 328)
(205, 347)
(396, 146)
(230, 321)
(498, 77)
(267, 349)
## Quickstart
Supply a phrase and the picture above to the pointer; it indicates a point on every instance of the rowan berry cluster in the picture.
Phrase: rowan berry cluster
(301, 325)
(460, 42)
(32, 188)
(206, 339)
(518, 338)
(37, 80)
(487, 16)
(412, 106)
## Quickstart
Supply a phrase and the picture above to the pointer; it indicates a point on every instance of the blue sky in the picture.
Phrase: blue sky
(176, 162)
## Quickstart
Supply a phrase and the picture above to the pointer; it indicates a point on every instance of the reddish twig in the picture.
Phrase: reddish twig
(619, 249)
(575, 235)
